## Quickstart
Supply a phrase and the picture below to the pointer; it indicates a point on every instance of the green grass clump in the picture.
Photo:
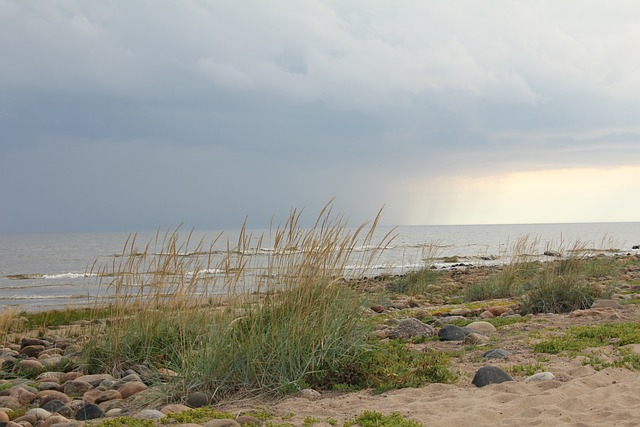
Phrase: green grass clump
(196, 416)
(559, 289)
(415, 282)
(526, 369)
(376, 419)
(126, 422)
(582, 337)
(390, 366)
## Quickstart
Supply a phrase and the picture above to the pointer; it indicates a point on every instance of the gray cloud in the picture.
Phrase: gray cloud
(204, 111)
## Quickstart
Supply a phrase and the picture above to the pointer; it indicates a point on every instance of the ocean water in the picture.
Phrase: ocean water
(44, 271)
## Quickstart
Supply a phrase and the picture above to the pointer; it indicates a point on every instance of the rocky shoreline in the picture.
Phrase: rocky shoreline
(44, 387)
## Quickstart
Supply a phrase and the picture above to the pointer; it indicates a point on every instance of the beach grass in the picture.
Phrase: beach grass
(300, 325)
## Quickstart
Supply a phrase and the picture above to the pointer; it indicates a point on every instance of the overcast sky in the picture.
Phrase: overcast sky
(126, 115)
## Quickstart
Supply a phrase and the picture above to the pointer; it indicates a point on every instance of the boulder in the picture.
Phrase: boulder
(490, 375)
(453, 333)
(411, 328)
(496, 354)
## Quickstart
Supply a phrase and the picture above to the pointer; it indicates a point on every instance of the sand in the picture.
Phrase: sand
(610, 397)
(578, 396)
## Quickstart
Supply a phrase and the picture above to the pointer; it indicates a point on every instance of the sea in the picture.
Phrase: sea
(54, 271)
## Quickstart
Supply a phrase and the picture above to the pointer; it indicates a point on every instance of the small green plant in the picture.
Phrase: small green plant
(376, 419)
(126, 422)
(526, 369)
(582, 337)
(196, 416)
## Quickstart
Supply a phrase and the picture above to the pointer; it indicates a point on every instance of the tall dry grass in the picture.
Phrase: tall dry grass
(297, 324)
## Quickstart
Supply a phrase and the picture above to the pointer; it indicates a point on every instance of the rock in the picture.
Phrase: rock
(496, 354)
(197, 399)
(376, 289)
(49, 385)
(115, 412)
(475, 338)
(149, 414)
(490, 375)
(4, 417)
(127, 379)
(53, 405)
(381, 333)
(485, 328)
(76, 388)
(129, 389)
(222, 423)
(486, 315)
(57, 420)
(411, 328)
(48, 395)
(55, 377)
(377, 308)
(88, 411)
(309, 393)
(104, 396)
(498, 311)
(24, 396)
(540, 376)
(32, 350)
(248, 420)
(449, 319)
(95, 379)
(28, 365)
(552, 253)
(9, 402)
(174, 408)
(26, 342)
(453, 333)
(635, 247)
(602, 303)
(464, 312)
(39, 413)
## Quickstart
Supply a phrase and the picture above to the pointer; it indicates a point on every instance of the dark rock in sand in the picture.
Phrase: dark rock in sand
(496, 354)
(89, 411)
(197, 399)
(32, 350)
(453, 333)
(490, 375)
(377, 308)
(410, 328)
(26, 342)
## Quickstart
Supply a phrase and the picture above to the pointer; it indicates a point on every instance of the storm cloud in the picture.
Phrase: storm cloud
(127, 115)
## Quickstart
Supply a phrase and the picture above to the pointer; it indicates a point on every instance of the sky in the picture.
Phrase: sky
(132, 114)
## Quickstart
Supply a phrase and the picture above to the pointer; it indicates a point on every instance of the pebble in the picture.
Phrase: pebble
(453, 333)
(411, 328)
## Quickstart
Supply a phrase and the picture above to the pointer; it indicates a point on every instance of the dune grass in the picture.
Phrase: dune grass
(297, 325)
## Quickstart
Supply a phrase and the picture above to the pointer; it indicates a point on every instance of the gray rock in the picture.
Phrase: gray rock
(411, 328)
(552, 253)
(496, 354)
(197, 399)
(89, 411)
(490, 375)
(76, 388)
(485, 328)
(540, 376)
(149, 414)
(453, 333)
